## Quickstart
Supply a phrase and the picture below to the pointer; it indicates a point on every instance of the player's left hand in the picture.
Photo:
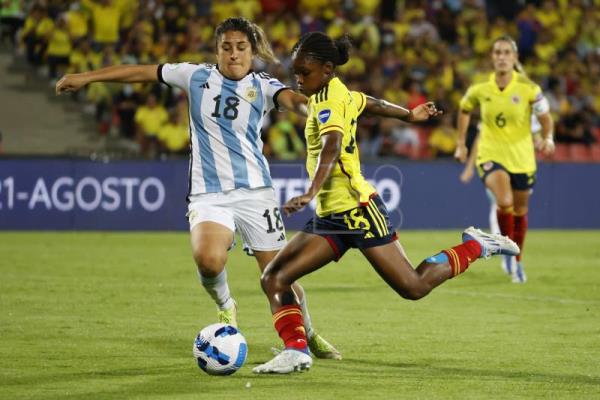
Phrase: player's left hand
(424, 111)
(547, 146)
(296, 203)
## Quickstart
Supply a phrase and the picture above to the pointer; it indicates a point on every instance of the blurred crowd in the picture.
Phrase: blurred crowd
(404, 51)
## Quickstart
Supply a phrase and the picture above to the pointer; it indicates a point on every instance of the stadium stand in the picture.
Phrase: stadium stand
(405, 51)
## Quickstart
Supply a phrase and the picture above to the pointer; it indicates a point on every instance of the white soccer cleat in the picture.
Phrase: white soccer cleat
(491, 244)
(287, 361)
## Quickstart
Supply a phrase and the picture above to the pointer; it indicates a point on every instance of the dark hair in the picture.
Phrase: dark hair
(256, 36)
(322, 48)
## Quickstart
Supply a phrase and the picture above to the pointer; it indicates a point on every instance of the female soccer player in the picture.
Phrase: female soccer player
(230, 185)
(506, 157)
(349, 211)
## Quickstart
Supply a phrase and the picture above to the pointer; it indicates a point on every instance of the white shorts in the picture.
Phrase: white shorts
(253, 212)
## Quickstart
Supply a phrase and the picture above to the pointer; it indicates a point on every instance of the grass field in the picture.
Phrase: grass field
(113, 315)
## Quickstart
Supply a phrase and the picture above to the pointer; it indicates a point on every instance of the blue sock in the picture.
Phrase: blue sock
(439, 258)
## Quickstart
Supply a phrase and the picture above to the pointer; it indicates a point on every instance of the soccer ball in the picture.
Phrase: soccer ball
(220, 349)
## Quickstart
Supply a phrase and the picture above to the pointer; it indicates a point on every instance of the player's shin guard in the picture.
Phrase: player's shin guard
(520, 232)
(459, 257)
(289, 324)
(506, 221)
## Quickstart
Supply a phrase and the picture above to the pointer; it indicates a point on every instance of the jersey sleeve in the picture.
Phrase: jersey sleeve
(271, 89)
(360, 99)
(469, 100)
(177, 75)
(539, 103)
(330, 116)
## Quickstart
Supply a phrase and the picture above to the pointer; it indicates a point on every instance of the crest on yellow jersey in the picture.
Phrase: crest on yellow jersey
(516, 99)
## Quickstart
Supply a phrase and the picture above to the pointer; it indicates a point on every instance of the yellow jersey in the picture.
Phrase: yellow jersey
(335, 108)
(505, 135)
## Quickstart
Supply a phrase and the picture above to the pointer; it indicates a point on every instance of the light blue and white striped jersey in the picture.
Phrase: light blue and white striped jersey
(226, 118)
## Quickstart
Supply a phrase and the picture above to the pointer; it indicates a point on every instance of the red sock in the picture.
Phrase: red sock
(462, 255)
(520, 231)
(506, 221)
(290, 326)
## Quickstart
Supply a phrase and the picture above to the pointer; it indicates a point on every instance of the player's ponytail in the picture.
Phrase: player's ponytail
(258, 40)
(264, 51)
(322, 48)
(507, 38)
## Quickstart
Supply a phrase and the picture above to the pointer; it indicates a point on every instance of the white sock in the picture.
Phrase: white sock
(218, 289)
(306, 316)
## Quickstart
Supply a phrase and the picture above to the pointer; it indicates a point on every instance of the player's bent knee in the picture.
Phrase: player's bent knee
(209, 263)
(413, 292)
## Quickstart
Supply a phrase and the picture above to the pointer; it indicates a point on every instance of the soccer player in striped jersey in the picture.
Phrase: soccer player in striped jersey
(230, 187)
(349, 211)
(506, 157)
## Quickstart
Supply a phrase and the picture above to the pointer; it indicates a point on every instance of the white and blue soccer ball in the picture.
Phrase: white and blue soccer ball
(220, 349)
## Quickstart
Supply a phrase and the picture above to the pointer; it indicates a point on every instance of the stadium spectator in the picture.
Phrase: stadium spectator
(506, 158)
(12, 18)
(284, 141)
(174, 135)
(442, 142)
(59, 49)
(105, 19)
(230, 186)
(77, 22)
(35, 33)
(125, 103)
(159, 32)
(149, 118)
(349, 212)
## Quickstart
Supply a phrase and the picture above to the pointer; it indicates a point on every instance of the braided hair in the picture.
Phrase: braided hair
(258, 40)
(322, 48)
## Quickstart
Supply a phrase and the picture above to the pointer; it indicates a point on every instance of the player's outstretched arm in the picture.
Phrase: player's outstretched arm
(469, 170)
(547, 144)
(384, 108)
(117, 73)
(331, 147)
(464, 118)
(293, 101)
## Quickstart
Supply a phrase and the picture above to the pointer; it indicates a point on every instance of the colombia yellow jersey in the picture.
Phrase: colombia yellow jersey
(505, 135)
(335, 108)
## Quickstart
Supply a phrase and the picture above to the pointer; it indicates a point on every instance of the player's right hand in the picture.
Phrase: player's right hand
(461, 153)
(70, 83)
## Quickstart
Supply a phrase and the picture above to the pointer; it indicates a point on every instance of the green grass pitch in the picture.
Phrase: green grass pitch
(113, 315)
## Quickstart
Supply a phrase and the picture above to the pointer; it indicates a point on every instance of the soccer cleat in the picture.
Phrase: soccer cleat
(491, 244)
(288, 361)
(508, 264)
(321, 348)
(518, 275)
(228, 316)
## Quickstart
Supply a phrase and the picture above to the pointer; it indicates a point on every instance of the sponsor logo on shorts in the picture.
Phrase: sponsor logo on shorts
(488, 166)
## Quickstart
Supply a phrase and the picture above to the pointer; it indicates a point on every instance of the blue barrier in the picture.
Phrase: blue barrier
(136, 195)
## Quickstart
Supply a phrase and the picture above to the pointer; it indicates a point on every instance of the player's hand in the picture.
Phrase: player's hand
(70, 83)
(547, 146)
(461, 153)
(423, 112)
(296, 203)
(466, 175)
